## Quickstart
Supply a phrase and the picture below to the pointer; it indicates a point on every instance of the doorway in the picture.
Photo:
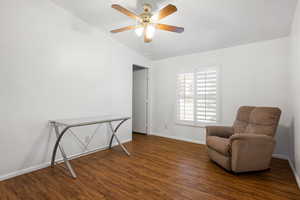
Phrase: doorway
(140, 99)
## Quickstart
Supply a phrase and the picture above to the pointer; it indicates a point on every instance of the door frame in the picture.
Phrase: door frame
(148, 116)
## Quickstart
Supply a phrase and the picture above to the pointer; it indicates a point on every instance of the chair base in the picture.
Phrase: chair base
(225, 162)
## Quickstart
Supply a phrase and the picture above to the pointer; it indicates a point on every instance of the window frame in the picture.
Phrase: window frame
(218, 97)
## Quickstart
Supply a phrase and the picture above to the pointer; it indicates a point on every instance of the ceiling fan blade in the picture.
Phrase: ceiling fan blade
(125, 11)
(166, 27)
(127, 28)
(166, 11)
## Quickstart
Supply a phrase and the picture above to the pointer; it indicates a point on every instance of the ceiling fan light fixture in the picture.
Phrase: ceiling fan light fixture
(154, 17)
(139, 31)
(150, 31)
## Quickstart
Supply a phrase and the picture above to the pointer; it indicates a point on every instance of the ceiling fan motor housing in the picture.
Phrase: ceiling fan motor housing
(147, 8)
(146, 16)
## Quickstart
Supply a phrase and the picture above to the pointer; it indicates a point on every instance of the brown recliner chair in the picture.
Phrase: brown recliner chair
(249, 144)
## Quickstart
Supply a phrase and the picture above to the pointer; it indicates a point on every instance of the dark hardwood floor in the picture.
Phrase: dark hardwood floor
(158, 168)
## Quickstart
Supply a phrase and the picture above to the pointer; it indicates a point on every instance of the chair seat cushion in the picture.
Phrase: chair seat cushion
(219, 144)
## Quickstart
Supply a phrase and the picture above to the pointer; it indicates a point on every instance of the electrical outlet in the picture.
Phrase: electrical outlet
(166, 126)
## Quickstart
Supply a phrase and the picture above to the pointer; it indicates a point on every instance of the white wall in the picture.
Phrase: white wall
(295, 92)
(52, 65)
(253, 74)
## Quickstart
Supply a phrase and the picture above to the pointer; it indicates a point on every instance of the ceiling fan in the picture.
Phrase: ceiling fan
(147, 21)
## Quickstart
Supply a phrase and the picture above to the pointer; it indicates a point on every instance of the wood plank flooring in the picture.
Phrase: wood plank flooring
(158, 168)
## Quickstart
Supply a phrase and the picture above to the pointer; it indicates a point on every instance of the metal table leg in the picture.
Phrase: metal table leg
(59, 136)
(66, 161)
(114, 136)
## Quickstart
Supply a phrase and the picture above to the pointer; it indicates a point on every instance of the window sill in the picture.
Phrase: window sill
(202, 125)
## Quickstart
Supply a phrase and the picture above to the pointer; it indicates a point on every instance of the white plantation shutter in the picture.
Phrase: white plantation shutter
(206, 96)
(185, 100)
(197, 97)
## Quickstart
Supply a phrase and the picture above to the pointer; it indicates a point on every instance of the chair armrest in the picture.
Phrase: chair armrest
(251, 152)
(220, 131)
(254, 138)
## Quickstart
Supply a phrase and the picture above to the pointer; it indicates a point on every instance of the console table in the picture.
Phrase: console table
(67, 124)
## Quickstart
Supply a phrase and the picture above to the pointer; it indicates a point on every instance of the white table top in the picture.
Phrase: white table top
(88, 120)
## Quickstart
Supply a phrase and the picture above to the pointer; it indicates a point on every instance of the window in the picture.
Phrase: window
(197, 98)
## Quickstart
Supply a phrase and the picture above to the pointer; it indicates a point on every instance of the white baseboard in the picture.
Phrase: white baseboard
(284, 157)
(47, 164)
(295, 173)
(24, 171)
(280, 156)
(178, 138)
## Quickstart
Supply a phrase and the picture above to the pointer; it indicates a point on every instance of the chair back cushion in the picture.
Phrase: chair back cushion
(257, 120)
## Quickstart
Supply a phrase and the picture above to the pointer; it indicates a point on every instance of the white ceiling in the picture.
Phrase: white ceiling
(209, 24)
